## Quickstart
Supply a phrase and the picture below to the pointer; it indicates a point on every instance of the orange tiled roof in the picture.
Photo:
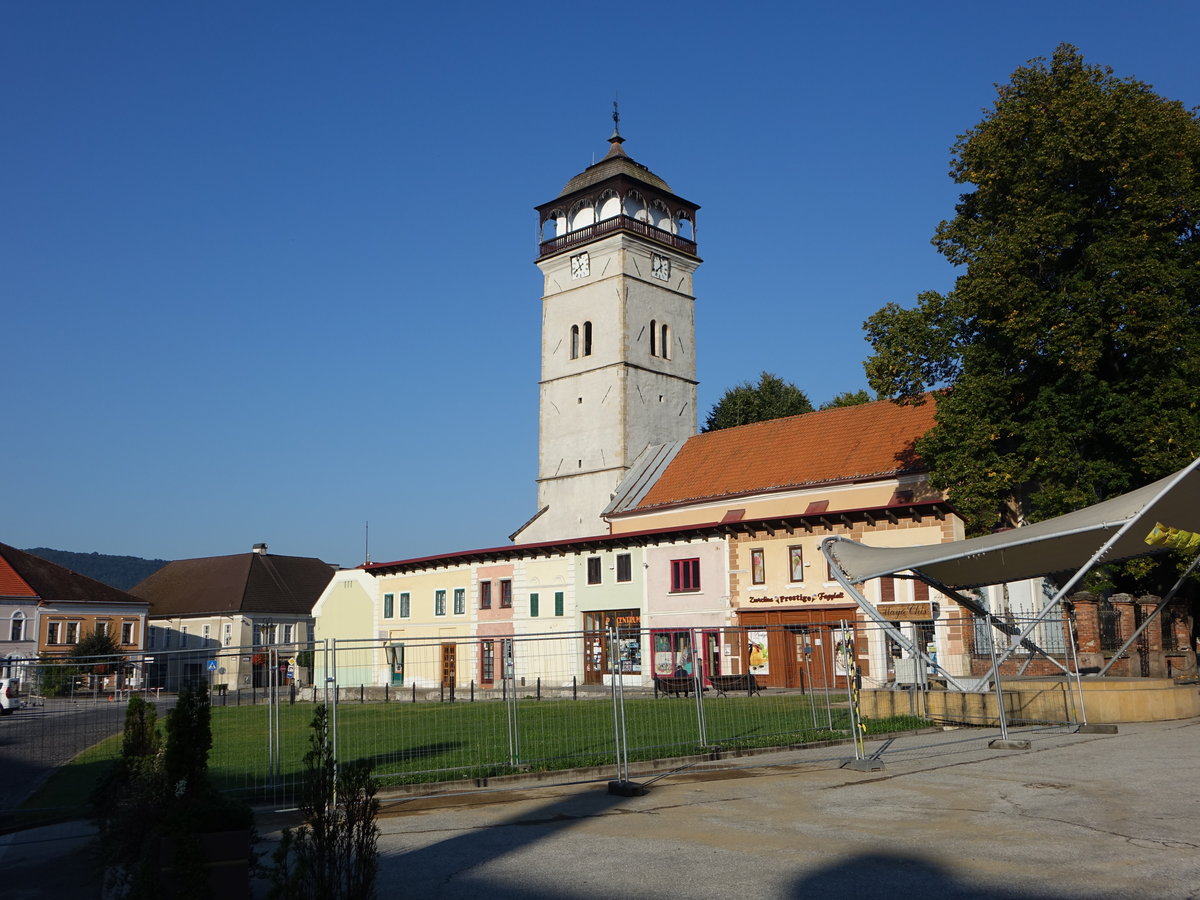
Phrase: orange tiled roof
(834, 445)
(12, 584)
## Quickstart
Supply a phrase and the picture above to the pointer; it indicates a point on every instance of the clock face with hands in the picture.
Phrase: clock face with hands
(660, 267)
(580, 265)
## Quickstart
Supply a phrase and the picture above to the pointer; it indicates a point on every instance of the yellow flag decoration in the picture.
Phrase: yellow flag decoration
(1162, 536)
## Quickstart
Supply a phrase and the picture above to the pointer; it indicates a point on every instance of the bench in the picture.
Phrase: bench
(731, 684)
(682, 684)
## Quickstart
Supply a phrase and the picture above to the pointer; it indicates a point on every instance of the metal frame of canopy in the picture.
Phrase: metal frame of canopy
(1078, 540)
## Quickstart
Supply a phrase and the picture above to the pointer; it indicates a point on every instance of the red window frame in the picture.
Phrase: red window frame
(685, 575)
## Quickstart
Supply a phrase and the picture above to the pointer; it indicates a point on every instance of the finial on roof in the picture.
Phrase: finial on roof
(616, 140)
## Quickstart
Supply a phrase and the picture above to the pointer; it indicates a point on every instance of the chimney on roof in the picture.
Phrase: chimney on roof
(260, 549)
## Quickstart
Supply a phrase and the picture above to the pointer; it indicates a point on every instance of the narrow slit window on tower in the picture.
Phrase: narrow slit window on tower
(664, 345)
(653, 338)
(587, 338)
(574, 342)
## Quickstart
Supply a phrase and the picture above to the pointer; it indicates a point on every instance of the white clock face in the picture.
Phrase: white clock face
(660, 267)
(580, 265)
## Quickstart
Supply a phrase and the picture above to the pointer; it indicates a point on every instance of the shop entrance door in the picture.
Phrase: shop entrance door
(448, 668)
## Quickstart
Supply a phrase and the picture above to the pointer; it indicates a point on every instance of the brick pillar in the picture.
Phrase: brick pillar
(1131, 664)
(1087, 630)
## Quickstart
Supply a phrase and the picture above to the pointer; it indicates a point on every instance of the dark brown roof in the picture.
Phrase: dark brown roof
(849, 443)
(245, 582)
(55, 584)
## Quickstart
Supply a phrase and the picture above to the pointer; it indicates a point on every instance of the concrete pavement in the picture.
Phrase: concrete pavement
(1097, 816)
(1076, 816)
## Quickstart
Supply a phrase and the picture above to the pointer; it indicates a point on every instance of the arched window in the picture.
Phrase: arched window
(610, 205)
(660, 216)
(582, 215)
(574, 342)
(664, 344)
(653, 338)
(683, 227)
(587, 338)
(635, 207)
(18, 626)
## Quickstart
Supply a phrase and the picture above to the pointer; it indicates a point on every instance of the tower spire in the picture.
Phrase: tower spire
(615, 140)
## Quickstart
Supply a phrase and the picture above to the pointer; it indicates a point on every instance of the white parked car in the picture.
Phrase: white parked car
(10, 696)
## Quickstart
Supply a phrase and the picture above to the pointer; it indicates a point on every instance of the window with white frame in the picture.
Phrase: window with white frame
(405, 606)
(227, 640)
(72, 633)
(207, 634)
(127, 632)
(101, 627)
(685, 575)
(53, 632)
(17, 633)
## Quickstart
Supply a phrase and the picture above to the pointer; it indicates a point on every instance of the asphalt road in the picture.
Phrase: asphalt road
(36, 740)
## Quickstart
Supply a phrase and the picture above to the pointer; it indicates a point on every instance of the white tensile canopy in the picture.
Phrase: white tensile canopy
(1112, 530)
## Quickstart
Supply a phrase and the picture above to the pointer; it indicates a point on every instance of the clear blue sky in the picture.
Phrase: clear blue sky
(266, 268)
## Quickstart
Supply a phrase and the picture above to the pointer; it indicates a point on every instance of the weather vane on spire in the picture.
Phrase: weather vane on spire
(616, 135)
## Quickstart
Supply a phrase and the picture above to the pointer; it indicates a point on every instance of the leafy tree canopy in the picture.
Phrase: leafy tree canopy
(771, 398)
(1069, 347)
(847, 398)
(96, 643)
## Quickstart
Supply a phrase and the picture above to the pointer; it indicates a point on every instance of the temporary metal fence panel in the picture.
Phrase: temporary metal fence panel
(564, 707)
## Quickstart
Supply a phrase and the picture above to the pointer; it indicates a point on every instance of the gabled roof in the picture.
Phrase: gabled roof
(244, 582)
(25, 575)
(833, 446)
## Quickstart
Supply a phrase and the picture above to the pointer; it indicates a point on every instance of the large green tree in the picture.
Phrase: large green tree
(1069, 347)
(771, 398)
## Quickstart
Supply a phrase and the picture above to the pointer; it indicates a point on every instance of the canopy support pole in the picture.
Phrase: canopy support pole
(874, 615)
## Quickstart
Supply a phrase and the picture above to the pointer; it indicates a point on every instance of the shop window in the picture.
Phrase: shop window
(758, 567)
(593, 570)
(533, 605)
(487, 662)
(673, 657)
(506, 593)
(389, 605)
(685, 575)
(624, 567)
(439, 603)
(405, 605)
(485, 595)
(460, 601)
(558, 603)
(796, 563)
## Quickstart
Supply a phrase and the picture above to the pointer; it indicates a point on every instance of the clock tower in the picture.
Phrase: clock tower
(617, 254)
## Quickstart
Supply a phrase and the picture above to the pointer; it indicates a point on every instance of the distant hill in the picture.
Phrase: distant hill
(121, 572)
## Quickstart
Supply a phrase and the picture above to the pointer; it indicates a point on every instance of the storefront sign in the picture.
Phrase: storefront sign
(821, 597)
(906, 612)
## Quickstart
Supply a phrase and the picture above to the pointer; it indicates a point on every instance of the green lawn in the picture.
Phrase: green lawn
(425, 742)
